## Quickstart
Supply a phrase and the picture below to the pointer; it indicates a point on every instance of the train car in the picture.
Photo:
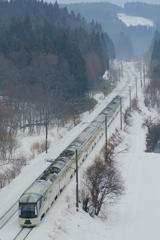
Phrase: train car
(39, 197)
(112, 110)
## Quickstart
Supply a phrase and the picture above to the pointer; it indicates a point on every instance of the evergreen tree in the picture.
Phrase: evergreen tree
(17, 29)
(156, 51)
(4, 48)
(56, 11)
(27, 23)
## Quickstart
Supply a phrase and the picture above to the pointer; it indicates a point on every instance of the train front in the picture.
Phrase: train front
(29, 207)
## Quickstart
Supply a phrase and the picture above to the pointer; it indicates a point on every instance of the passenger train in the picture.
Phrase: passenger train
(39, 197)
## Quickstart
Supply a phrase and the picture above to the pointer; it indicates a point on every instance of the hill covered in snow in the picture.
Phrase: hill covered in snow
(135, 21)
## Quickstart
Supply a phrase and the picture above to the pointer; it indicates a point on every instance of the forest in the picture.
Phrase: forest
(50, 62)
(154, 67)
(47, 50)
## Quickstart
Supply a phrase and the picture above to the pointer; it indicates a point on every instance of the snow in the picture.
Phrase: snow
(134, 21)
(106, 75)
(137, 213)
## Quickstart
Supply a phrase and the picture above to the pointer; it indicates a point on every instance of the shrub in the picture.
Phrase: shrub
(39, 147)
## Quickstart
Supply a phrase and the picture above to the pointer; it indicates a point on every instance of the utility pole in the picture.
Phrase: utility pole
(119, 74)
(74, 114)
(141, 73)
(106, 130)
(121, 113)
(46, 130)
(144, 74)
(130, 96)
(74, 117)
(136, 87)
(121, 69)
(104, 91)
(77, 180)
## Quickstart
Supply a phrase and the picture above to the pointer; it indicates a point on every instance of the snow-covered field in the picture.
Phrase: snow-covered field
(135, 21)
(137, 213)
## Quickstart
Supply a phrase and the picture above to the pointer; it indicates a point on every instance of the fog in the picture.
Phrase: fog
(118, 2)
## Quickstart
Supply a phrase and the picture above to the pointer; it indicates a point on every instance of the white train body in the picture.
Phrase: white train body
(39, 197)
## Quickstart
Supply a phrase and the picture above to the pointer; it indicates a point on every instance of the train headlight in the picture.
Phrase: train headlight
(35, 211)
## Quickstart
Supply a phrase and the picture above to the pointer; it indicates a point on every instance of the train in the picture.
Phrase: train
(35, 202)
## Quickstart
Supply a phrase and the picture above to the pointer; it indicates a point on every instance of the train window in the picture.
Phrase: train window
(63, 159)
(80, 139)
(44, 198)
(53, 178)
(71, 149)
(38, 205)
(106, 112)
(97, 121)
(119, 97)
(59, 165)
(69, 152)
(54, 170)
(75, 144)
(89, 129)
(27, 211)
(115, 101)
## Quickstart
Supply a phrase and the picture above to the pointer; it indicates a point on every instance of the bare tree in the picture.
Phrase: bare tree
(152, 137)
(135, 105)
(148, 122)
(3, 180)
(127, 117)
(8, 175)
(8, 145)
(115, 145)
(102, 184)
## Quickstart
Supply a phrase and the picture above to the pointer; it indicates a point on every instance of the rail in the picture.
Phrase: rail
(23, 233)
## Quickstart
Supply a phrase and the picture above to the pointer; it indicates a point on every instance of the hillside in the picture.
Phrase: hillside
(50, 61)
(33, 31)
(106, 14)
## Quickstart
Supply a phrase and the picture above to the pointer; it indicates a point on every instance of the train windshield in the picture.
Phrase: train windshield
(28, 210)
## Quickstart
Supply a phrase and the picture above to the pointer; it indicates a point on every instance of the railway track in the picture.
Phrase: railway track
(23, 234)
(7, 216)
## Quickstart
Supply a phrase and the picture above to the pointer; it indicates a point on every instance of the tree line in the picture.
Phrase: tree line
(154, 66)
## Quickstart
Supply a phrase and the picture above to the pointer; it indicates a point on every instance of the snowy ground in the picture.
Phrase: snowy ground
(137, 214)
(134, 21)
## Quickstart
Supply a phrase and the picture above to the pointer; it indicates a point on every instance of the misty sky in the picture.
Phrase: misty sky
(118, 2)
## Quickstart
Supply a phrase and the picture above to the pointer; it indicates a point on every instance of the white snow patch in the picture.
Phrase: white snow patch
(134, 21)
